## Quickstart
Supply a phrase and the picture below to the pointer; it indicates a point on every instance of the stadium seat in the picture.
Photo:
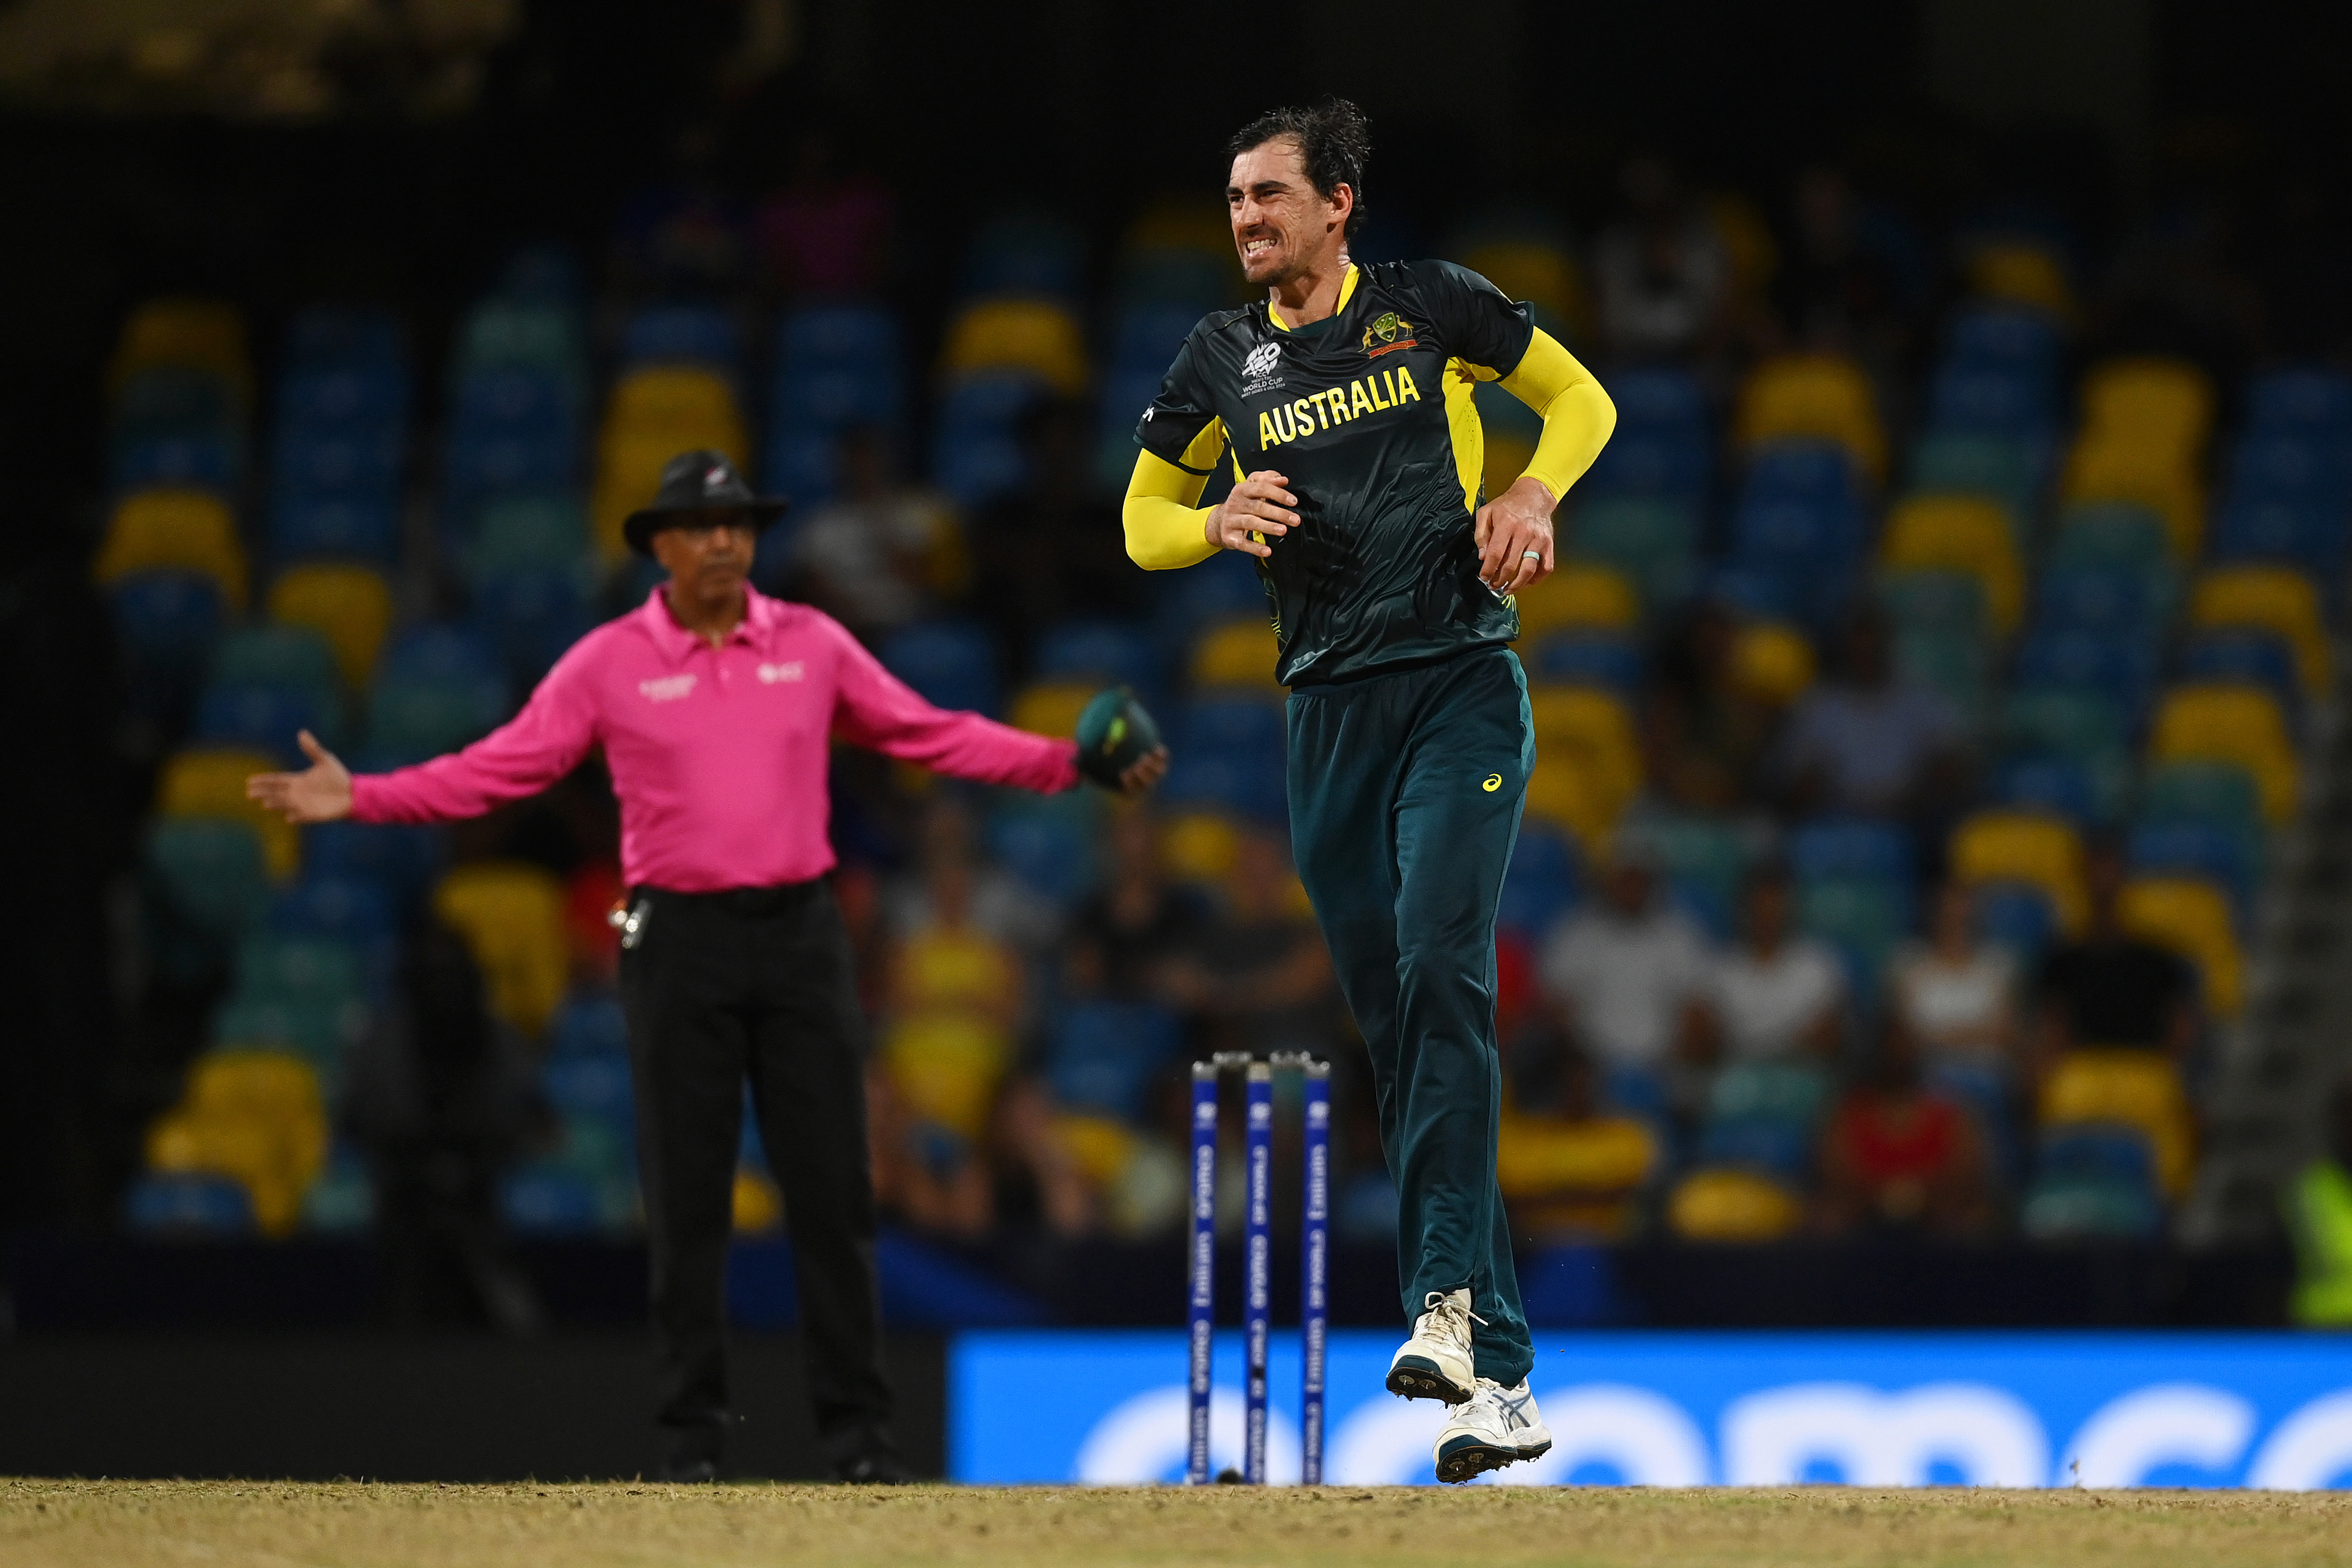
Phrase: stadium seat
(1652, 542)
(346, 462)
(254, 717)
(1660, 398)
(350, 606)
(205, 335)
(511, 916)
(2122, 669)
(188, 1204)
(204, 884)
(2016, 915)
(1587, 658)
(1587, 765)
(2138, 1090)
(2022, 272)
(1732, 1205)
(528, 616)
(402, 859)
(2159, 402)
(976, 451)
(2058, 786)
(185, 530)
(950, 664)
(1048, 842)
(1578, 1178)
(1660, 466)
(1031, 336)
(2285, 465)
(2230, 722)
(682, 334)
(1239, 653)
(1703, 859)
(1945, 601)
(1992, 403)
(1955, 666)
(1050, 708)
(2308, 534)
(1956, 533)
(309, 527)
(544, 1200)
(436, 689)
(2275, 598)
(2003, 469)
(1024, 254)
(206, 782)
(530, 334)
(2042, 851)
(357, 911)
(836, 365)
(1812, 396)
(2081, 724)
(2191, 917)
(1509, 431)
(1533, 270)
(201, 460)
(1102, 652)
(2252, 657)
(2120, 535)
(1853, 848)
(2115, 468)
(2228, 855)
(167, 623)
(1771, 663)
(2092, 1183)
(1102, 1056)
(656, 412)
(1577, 595)
(344, 335)
(2109, 600)
(1540, 887)
(1199, 847)
(293, 657)
(2004, 338)
(2307, 402)
(524, 533)
(254, 1116)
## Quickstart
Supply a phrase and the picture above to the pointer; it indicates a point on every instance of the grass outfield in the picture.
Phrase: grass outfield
(127, 1524)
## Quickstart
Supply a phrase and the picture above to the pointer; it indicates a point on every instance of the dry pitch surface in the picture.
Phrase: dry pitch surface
(128, 1524)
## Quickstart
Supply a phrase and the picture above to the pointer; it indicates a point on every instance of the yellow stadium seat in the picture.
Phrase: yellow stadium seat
(1732, 1205)
(2165, 403)
(1506, 456)
(181, 530)
(2031, 847)
(349, 605)
(2191, 917)
(1823, 397)
(210, 782)
(254, 1116)
(946, 1067)
(1182, 223)
(1051, 708)
(1099, 1147)
(695, 406)
(2277, 598)
(1032, 335)
(2231, 721)
(1543, 275)
(2103, 467)
(190, 334)
(1573, 1175)
(1587, 765)
(1199, 847)
(511, 918)
(1578, 594)
(2135, 1089)
(1237, 653)
(758, 1205)
(2022, 273)
(1961, 533)
(1771, 663)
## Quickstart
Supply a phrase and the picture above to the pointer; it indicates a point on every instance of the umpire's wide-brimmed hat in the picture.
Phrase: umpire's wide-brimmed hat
(692, 483)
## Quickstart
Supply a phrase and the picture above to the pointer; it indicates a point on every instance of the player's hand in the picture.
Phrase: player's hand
(1146, 770)
(1259, 503)
(1514, 536)
(320, 793)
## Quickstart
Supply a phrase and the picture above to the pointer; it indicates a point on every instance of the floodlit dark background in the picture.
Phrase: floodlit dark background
(1981, 374)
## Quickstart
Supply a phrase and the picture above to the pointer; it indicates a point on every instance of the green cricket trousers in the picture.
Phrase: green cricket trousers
(1405, 793)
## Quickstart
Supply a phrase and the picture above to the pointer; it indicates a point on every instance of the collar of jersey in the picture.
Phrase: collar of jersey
(1347, 292)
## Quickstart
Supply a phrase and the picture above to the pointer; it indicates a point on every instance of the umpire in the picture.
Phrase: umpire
(714, 707)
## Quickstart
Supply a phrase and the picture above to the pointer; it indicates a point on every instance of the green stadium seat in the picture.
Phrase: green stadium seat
(1653, 540)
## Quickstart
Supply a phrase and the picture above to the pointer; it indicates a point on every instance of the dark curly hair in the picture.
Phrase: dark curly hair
(1335, 143)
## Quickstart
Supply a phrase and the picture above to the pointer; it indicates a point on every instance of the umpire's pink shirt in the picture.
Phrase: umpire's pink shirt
(718, 754)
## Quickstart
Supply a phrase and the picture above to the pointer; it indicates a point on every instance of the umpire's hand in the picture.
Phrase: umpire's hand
(1259, 505)
(320, 793)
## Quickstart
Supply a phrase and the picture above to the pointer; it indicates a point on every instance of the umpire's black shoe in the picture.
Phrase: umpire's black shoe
(693, 1454)
(864, 1456)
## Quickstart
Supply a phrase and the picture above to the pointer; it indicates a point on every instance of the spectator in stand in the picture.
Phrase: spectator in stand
(1872, 744)
(2319, 1219)
(1569, 1170)
(998, 904)
(686, 233)
(1850, 284)
(1774, 995)
(827, 233)
(1258, 977)
(1704, 737)
(1625, 976)
(2109, 989)
(1661, 272)
(1123, 935)
(1955, 996)
(441, 1099)
(879, 555)
(1900, 1157)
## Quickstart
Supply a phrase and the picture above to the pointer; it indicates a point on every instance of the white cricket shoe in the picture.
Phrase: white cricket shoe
(1498, 1427)
(1435, 1362)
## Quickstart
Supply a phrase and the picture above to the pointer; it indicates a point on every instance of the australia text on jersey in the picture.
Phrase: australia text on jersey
(1302, 417)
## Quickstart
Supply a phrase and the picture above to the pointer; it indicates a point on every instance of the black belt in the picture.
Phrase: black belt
(754, 903)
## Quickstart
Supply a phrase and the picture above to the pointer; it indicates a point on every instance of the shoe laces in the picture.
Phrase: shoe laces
(1448, 1311)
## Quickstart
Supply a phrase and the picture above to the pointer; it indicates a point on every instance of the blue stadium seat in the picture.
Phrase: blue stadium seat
(1863, 917)
(345, 337)
(363, 526)
(1636, 463)
(327, 397)
(167, 623)
(403, 859)
(1810, 548)
(2059, 785)
(1047, 843)
(2121, 669)
(1771, 1146)
(2262, 658)
(976, 455)
(2228, 856)
(1110, 652)
(1994, 337)
(437, 688)
(200, 461)
(175, 399)
(188, 1204)
(1853, 848)
(1225, 587)
(203, 877)
(588, 1025)
(1660, 401)
(952, 664)
(1024, 255)
(267, 718)
(530, 615)
(1541, 886)
(589, 1086)
(356, 910)
(1821, 473)
(2290, 466)
(2309, 533)
(1983, 1089)
(1103, 1055)
(1993, 401)
(548, 1200)
(1590, 659)
(2309, 401)
(2017, 916)
(339, 463)
(1230, 752)
(2111, 601)
(698, 334)
(2092, 1182)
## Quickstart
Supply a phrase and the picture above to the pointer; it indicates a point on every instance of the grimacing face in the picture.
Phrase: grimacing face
(1282, 225)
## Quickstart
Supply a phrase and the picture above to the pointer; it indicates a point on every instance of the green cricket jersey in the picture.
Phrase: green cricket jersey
(1369, 416)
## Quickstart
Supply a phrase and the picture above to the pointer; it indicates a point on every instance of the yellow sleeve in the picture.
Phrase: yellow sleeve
(1164, 528)
(1577, 416)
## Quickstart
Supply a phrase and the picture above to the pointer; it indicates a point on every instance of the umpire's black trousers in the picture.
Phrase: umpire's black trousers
(754, 983)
